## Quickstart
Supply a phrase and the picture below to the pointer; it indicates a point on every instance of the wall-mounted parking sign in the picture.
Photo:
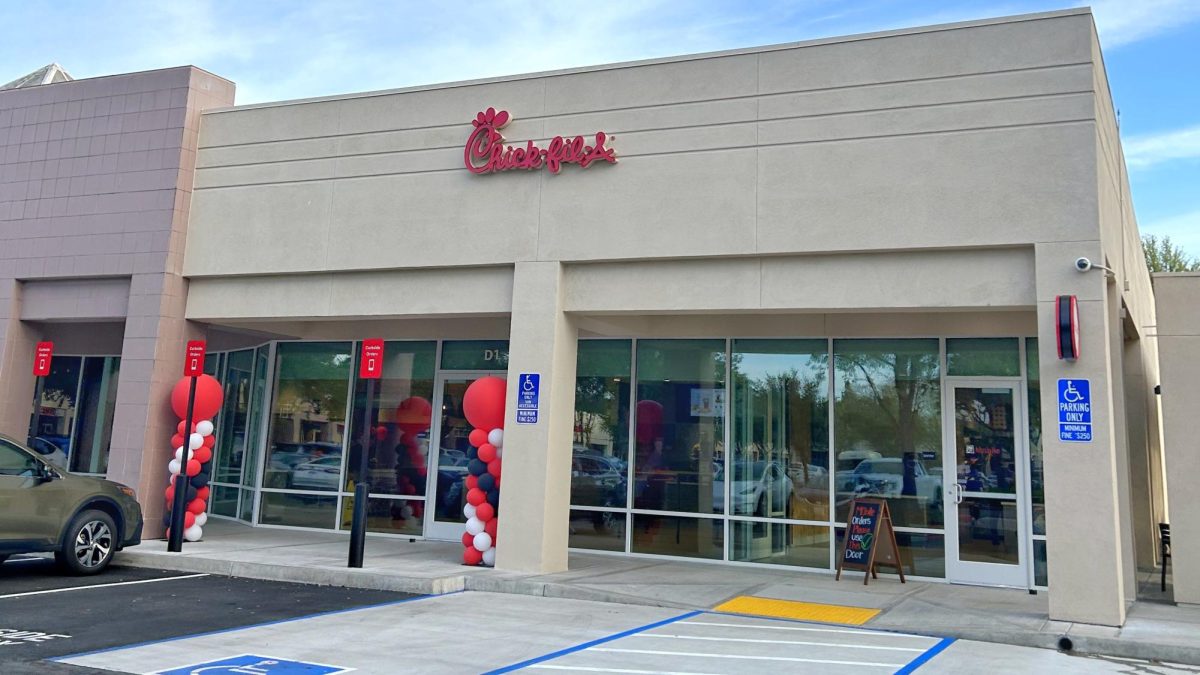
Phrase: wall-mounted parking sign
(528, 389)
(253, 664)
(1075, 411)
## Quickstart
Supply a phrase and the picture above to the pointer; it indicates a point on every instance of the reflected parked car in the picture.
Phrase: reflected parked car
(597, 480)
(884, 477)
(320, 474)
(49, 450)
(759, 488)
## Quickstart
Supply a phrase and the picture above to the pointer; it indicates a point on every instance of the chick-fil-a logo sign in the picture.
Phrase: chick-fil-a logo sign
(486, 153)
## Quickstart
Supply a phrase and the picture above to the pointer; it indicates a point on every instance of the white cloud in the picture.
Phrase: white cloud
(1147, 150)
(1121, 22)
(1183, 229)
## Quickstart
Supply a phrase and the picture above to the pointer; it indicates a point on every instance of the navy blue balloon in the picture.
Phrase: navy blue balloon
(487, 482)
(199, 480)
(472, 453)
(476, 467)
(493, 497)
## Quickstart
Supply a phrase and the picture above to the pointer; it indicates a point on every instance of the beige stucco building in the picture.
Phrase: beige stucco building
(819, 271)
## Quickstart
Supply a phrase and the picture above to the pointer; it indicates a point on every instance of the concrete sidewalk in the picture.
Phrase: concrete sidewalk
(1155, 629)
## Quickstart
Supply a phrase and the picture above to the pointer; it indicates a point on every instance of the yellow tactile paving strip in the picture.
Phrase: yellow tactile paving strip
(801, 611)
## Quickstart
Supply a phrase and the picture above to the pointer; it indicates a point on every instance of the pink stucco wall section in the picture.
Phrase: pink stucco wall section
(96, 183)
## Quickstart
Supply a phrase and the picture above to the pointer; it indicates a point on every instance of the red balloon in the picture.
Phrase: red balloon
(487, 452)
(208, 398)
(649, 421)
(483, 403)
(189, 519)
(196, 506)
(193, 468)
(494, 468)
(381, 433)
(478, 437)
(179, 427)
(418, 509)
(170, 493)
(468, 540)
(485, 512)
(413, 415)
(177, 439)
(209, 441)
(475, 497)
(410, 489)
(202, 493)
(490, 527)
(202, 454)
(472, 482)
(472, 556)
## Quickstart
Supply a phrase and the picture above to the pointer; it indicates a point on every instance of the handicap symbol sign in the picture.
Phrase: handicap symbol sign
(1075, 410)
(254, 664)
(528, 388)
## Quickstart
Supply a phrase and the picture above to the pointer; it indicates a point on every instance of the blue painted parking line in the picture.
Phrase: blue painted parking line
(251, 626)
(924, 658)
(593, 643)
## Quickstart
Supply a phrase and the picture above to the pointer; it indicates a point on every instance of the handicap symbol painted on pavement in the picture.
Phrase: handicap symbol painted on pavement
(253, 664)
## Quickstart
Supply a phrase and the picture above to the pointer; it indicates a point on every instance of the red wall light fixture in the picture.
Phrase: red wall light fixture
(1066, 312)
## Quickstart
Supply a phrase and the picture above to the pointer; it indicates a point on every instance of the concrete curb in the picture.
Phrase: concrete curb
(325, 576)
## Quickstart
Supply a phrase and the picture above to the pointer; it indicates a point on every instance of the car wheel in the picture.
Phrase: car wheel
(89, 544)
(761, 509)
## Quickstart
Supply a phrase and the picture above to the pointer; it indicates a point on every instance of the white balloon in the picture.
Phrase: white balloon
(474, 526)
(193, 533)
(173, 466)
(406, 512)
(469, 511)
(496, 437)
(179, 454)
(483, 541)
(499, 451)
(489, 557)
(196, 440)
(201, 521)
(205, 428)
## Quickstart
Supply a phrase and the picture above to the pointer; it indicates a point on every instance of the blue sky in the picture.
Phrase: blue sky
(278, 50)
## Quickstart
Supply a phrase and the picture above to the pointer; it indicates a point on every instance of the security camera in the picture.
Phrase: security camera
(1083, 264)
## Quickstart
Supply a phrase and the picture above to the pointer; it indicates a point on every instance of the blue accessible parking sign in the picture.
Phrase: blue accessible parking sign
(253, 664)
(528, 388)
(1075, 411)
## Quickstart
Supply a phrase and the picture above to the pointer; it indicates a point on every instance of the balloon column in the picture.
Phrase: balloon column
(198, 448)
(483, 406)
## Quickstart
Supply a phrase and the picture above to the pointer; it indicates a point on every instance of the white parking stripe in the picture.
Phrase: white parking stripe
(753, 658)
(589, 669)
(84, 588)
(775, 642)
(756, 626)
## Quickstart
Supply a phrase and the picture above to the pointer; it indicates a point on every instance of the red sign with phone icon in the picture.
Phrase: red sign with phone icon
(41, 359)
(371, 365)
(193, 362)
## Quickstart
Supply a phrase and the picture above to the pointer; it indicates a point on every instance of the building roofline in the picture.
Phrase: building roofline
(136, 72)
(1017, 18)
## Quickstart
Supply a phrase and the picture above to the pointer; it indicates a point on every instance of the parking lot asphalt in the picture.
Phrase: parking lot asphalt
(45, 613)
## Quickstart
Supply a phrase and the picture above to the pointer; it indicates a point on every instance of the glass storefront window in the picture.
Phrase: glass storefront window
(1037, 489)
(73, 409)
(780, 460)
(258, 393)
(679, 424)
(308, 419)
(230, 449)
(475, 355)
(599, 467)
(281, 508)
(401, 412)
(387, 515)
(674, 535)
(922, 553)
(224, 501)
(780, 543)
(983, 357)
(887, 415)
(597, 530)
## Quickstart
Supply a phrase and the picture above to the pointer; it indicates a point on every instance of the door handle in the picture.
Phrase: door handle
(958, 493)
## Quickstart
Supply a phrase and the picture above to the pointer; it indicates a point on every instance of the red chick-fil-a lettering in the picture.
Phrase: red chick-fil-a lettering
(485, 151)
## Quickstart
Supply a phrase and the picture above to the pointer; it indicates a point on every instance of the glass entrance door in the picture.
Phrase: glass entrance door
(444, 515)
(986, 500)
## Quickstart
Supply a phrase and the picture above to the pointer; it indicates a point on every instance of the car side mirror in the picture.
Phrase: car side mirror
(46, 474)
